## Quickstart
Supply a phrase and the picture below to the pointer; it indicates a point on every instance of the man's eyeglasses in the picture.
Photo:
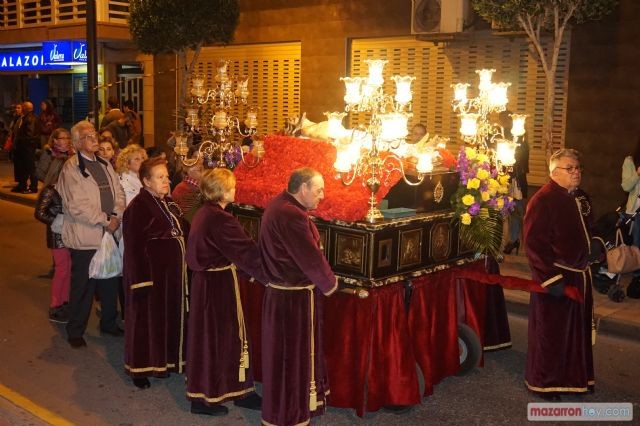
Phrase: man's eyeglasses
(92, 135)
(572, 169)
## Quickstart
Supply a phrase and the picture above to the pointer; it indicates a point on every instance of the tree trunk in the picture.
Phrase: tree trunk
(547, 119)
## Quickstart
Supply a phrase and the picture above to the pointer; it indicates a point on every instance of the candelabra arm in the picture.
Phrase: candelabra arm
(350, 180)
(400, 168)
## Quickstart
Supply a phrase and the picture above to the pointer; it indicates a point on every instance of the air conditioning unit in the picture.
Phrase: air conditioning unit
(438, 16)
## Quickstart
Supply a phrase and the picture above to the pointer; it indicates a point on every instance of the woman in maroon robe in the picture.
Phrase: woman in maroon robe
(218, 351)
(155, 279)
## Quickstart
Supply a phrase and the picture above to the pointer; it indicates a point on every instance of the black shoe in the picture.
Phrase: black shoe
(18, 189)
(512, 245)
(117, 332)
(550, 396)
(59, 314)
(141, 382)
(253, 402)
(397, 409)
(76, 342)
(198, 407)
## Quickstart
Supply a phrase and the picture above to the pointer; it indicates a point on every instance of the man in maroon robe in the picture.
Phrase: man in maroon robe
(295, 381)
(558, 244)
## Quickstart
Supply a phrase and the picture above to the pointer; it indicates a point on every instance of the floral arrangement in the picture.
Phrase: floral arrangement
(481, 201)
(283, 154)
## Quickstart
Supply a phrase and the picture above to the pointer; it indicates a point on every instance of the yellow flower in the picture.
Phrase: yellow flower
(503, 179)
(500, 201)
(485, 196)
(483, 159)
(473, 183)
(468, 199)
(482, 174)
(503, 189)
(470, 153)
(493, 187)
(465, 218)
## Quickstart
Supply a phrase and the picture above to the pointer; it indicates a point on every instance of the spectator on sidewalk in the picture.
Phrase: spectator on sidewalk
(48, 120)
(93, 203)
(25, 141)
(49, 211)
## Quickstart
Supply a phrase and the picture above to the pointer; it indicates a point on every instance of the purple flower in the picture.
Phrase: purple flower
(474, 209)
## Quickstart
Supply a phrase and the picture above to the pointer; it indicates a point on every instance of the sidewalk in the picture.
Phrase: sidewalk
(621, 319)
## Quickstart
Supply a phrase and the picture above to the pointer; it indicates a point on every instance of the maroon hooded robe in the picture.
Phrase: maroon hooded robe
(558, 241)
(155, 281)
(219, 366)
(295, 382)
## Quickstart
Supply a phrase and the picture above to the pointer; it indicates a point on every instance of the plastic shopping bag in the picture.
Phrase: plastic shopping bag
(107, 262)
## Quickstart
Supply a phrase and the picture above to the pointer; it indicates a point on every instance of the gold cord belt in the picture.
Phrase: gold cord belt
(242, 331)
(584, 272)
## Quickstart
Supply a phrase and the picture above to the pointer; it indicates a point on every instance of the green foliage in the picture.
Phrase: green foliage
(505, 12)
(483, 234)
(171, 26)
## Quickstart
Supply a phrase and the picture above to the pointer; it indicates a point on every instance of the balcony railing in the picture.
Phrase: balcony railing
(16, 14)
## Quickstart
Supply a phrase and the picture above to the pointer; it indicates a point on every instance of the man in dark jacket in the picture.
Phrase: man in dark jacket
(25, 141)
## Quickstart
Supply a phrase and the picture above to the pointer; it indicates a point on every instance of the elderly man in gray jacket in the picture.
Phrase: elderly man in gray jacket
(93, 203)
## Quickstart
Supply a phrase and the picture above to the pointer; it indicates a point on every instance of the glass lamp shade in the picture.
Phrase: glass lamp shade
(393, 126)
(403, 88)
(498, 95)
(181, 148)
(376, 66)
(506, 152)
(517, 128)
(485, 78)
(460, 91)
(469, 124)
(197, 83)
(251, 120)
(220, 120)
(425, 162)
(342, 163)
(352, 90)
(335, 130)
(242, 89)
(192, 116)
(221, 68)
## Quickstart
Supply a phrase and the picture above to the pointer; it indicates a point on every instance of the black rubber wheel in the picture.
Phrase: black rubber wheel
(470, 349)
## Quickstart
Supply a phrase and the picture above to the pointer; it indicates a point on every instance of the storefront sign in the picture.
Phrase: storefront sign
(27, 61)
(65, 52)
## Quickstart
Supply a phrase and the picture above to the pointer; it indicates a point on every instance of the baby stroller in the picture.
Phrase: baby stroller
(606, 227)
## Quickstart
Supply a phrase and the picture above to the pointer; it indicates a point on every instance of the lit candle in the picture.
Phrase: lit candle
(251, 121)
(220, 120)
(376, 66)
(469, 124)
(394, 126)
(403, 88)
(460, 92)
(498, 95)
(335, 128)
(242, 89)
(506, 152)
(352, 90)
(517, 128)
(425, 163)
(342, 163)
(485, 78)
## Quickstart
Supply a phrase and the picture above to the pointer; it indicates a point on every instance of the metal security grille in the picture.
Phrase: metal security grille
(437, 65)
(275, 78)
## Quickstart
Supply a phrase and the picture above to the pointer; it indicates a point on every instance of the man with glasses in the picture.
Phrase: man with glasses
(93, 203)
(559, 247)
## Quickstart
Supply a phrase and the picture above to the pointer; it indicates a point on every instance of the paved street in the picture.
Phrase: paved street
(88, 386)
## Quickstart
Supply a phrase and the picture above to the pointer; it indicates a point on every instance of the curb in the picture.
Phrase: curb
(606, 325)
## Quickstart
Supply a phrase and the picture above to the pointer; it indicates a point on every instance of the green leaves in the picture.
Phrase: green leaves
(170, 26)
(483, 234)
